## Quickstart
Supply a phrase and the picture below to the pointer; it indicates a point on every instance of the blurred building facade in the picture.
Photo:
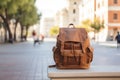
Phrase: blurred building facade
(69, 14)
(79, 10)
(48, 23)
(64, 17)
(113, 17)
(107, 11)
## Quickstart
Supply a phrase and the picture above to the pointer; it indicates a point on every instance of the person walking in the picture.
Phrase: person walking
(35, 38)
(118, 39)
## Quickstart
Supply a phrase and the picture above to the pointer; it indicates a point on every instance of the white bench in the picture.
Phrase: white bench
(93, 73)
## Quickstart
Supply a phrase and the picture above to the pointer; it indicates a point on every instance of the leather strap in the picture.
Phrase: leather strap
(51, 66)
(71, 25)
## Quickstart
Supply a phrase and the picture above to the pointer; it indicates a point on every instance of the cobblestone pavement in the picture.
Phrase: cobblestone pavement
(23, 61)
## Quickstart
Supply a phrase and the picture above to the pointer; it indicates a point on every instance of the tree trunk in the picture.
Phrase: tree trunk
(5, 35)
(6, 21)
(7, 27)
(27, 27)
(9, 31)
(22, 32)
(15, 30)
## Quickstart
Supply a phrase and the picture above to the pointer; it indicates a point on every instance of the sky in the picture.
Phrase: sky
(50, 7)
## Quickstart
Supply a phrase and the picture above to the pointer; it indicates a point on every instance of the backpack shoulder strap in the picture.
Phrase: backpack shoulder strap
(85, 44)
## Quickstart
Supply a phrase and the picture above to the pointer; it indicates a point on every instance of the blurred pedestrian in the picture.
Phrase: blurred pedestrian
(35, 38)
(118, 39)
(41, 37)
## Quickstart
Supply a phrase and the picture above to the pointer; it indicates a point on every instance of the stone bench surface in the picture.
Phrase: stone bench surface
(93, 71)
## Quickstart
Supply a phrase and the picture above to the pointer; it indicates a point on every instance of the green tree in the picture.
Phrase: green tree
(86, 24)
(97, 25)
(29, 17)
(54, 30)
(22, 11)
(7, 9)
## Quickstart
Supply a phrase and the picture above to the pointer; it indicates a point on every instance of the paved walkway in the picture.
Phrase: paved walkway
(23, 61)
(108, 43)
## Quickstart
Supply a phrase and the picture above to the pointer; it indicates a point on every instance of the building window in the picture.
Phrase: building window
(115, 1)
(75, 3)
(74, 11)
(98, 5)
(102, 2)
(115, 16)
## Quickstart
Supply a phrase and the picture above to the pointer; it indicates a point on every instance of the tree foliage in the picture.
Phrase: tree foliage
(86, 24)
(54, 30)
(23, 11)
(28, 16)
(97, 25)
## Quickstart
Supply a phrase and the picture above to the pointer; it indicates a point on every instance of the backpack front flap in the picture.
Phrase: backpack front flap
(74, 38)
(72, 34)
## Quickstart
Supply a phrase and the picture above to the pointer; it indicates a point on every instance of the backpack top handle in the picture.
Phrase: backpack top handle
(71, 25)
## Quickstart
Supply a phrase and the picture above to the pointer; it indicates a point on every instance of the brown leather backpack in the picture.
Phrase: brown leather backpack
(73, 50)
